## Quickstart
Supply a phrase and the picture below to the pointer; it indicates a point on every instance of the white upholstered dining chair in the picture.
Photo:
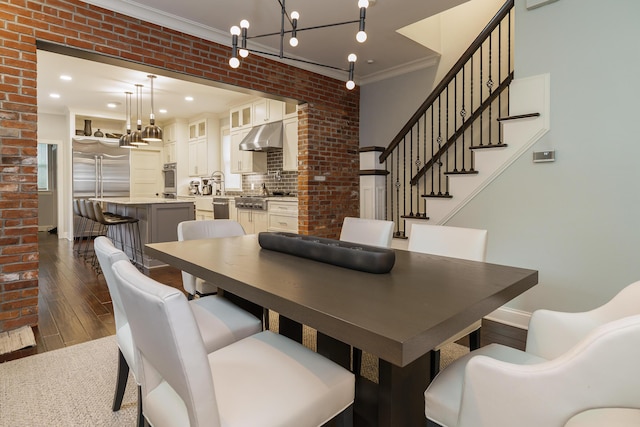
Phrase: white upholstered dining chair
(205, 229)
(365, 231)
(453, 242)
(578, 370)
(373, 232)
(218, 321)
(262, 380)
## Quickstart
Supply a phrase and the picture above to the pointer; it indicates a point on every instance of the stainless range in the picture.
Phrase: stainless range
(251, 202)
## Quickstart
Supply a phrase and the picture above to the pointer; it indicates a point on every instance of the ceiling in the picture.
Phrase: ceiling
(96, 84)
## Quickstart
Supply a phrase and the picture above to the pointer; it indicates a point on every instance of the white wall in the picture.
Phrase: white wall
(574, 220)
(386, 106)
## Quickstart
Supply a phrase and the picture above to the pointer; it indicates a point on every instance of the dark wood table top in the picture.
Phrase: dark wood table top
(398, 316)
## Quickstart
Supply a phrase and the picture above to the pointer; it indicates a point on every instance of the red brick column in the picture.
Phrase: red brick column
(329, 122)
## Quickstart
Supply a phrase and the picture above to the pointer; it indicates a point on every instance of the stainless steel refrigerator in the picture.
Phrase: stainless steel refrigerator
(100, 169)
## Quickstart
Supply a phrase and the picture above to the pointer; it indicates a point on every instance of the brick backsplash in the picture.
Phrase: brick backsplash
(327, 118)
(275, 179)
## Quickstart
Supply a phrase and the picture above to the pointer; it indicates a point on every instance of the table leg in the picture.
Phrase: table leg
(290, 329)
(401, 392)
(334, 349)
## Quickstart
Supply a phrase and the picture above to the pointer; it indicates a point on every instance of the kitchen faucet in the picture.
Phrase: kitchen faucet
(218, 178)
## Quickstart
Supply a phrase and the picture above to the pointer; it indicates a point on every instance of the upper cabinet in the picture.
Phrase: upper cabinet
(267, 111)
(240, 117)
(197, 129)
(204, 146)
(175, 134)
(289, 110)
(257, 113)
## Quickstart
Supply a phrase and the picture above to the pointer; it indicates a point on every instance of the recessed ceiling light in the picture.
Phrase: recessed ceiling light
(188, 98)
(54, 95)
(370, 61)
(162, 110)
(65, 77)
(112, 104)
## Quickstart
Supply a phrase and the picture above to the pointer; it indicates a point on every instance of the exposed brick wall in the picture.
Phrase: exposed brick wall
(328, 136)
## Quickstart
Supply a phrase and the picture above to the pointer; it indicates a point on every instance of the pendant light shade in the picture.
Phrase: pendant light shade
(136, 136)
(125, 140)
(152, 132)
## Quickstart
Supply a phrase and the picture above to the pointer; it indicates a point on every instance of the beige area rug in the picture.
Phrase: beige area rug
(369, 369)
(74, 386)
(17, 339)
(69, 387)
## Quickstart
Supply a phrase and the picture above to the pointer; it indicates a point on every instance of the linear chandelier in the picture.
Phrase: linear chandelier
(243, 50)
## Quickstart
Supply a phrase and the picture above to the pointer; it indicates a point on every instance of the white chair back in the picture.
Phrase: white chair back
(373, 232)
(169, 347)
(454, 242)
(601, 371)
(205, 229)
(553, 333)
(108, 255)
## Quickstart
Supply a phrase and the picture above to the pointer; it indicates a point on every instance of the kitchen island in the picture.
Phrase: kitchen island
(158, 219)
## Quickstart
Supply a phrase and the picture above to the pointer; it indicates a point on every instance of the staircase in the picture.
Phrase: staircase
(459, 139)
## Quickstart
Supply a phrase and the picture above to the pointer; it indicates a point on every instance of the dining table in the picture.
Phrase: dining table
(398, 316)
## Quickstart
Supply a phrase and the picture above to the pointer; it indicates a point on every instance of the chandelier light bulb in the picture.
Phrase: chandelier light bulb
(235, 30)
(350, 85)
(361, 36)
(244, 24)
(352, 57)
(293, 41)
(295, 15)
(363, 3)
(243, 53)
(234, 62)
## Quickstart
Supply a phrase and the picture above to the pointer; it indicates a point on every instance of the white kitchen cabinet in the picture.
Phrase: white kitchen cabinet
(289, 109)
(253, 221)
(282, 216)
(246, 162)
(290, 144)
(197, 129)
(267, 111)
(203, 146)
(170, 152)
(204, 207)
(198, 157)
(170, 133)
(240, 117)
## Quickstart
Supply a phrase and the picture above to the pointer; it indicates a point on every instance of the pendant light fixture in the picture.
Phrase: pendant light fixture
(239, 36)
(136, 136)
(152, 132)
(125, 140)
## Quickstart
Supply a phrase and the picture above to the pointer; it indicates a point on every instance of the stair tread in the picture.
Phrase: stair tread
(479, 147)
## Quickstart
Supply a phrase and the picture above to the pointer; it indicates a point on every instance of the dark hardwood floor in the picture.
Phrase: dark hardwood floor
(75, 306)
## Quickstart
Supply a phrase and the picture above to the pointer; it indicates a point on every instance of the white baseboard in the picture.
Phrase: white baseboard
(511, 317)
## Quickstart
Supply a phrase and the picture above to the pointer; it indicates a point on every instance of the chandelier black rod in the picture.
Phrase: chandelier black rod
(282, 56)
(303, 29)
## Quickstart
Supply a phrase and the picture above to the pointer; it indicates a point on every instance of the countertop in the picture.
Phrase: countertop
(140, 200)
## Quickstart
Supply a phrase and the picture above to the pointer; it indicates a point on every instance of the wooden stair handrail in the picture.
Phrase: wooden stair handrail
(504, 11)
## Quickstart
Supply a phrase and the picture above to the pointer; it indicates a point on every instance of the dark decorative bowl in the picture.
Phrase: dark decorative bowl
(370, 259)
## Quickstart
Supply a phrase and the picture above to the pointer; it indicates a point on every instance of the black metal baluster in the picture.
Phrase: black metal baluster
(463, 114)
(410, 168)
(490, 87)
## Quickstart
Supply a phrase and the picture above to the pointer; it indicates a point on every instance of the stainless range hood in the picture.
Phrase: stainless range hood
(263, 138)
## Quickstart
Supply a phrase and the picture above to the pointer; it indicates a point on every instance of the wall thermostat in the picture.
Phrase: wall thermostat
(544, 156)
